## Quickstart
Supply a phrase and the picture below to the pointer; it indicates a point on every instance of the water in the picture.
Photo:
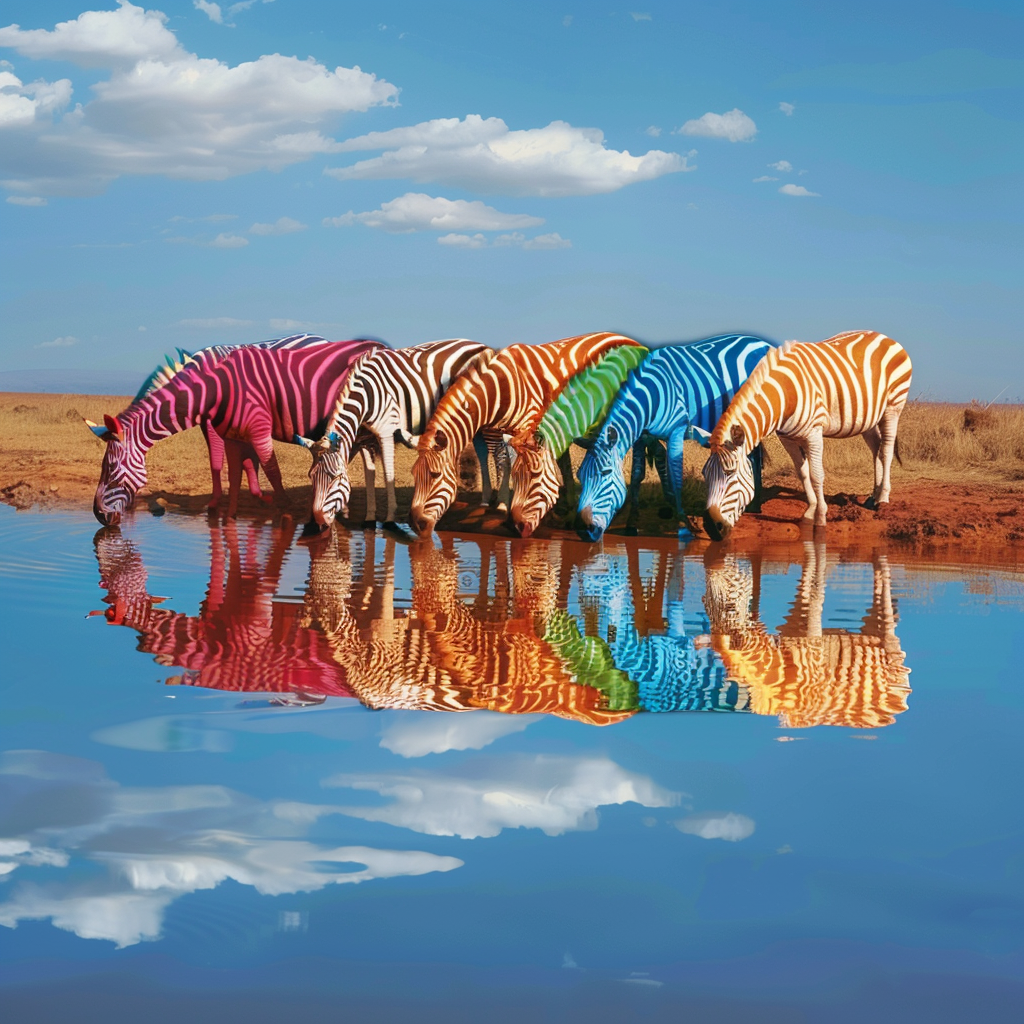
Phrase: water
(487, 779)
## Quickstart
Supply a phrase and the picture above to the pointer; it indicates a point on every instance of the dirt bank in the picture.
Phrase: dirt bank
(49, 460)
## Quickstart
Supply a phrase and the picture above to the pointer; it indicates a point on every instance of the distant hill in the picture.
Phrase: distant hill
(73, 382)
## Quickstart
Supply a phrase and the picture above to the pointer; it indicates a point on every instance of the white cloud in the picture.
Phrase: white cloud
(567, 20)
(416, 211)
(765, 177)
(27, 200)
(653, 130)
(484, 155)
(554, 794)
(64, 342)
(731, 827)
(478, 241)
(797, 190)
(418, 733)
(99, 39)
(639, 17)
(226, 241)
(281, 226)
(781, 165)
(22, 105)
(156, 845)
(787, 109)
(215, 323)
(733, 125)
(278, 324)
(162, 110)
(212, 11)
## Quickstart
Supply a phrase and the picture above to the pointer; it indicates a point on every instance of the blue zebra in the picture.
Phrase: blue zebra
(677, 393)
(670, 670)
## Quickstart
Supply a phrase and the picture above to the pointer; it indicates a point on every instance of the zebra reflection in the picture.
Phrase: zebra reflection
(242, 639)
(806, 674)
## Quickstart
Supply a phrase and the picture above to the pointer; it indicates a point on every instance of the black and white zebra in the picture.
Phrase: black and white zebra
(383, 400)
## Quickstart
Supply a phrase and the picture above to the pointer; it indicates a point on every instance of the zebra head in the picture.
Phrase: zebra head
(604, 490)
(435, 479)
(730, 481)
(123, 473)
(329, 476)
(535, 481)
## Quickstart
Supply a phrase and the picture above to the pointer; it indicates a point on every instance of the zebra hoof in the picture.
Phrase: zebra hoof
(369, 524)
(631, 531)
(871, 504)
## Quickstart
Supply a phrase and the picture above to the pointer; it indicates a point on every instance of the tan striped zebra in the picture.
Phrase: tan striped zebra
(854, 383)
(806, 674)
(508, 394)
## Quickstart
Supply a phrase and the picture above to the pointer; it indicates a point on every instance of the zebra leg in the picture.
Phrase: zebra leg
(369, 475)
(815, 452)
(387, 457)
(636, 476)
(251, 463)
(215, 446)
(234, 454)
(756, 462)
(567, 492)
(674, 457)
(796, 453)
(656, 453)
(503, 464)
(889, 425)
(873, 439)
(481, 448)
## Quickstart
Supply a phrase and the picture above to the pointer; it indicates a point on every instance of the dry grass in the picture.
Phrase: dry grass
(46, 443)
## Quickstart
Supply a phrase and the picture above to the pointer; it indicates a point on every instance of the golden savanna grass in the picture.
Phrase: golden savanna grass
(46, 445)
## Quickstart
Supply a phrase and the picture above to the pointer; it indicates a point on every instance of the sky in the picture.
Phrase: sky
(202, 173)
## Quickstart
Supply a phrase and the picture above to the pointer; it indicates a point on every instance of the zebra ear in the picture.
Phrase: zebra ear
(737, 436)
(113, 425)
(409, 440)
(612, 435)
(440, 440)
(304, 441)
(333, 438)
(101, 432)
(538, 439)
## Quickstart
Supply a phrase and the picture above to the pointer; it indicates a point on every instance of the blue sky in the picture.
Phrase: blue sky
(195, 174)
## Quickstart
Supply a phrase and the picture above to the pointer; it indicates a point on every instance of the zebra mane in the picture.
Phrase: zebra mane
(750, 387)
(346, 388)
(164, 372)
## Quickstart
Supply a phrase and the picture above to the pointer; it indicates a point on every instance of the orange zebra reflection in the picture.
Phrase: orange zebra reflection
(242, 639)
(805, 674)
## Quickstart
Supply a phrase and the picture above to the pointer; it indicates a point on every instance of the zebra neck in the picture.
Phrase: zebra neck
(166, 411)
(349, 418)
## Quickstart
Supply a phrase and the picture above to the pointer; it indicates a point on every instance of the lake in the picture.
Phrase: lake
(478, 778)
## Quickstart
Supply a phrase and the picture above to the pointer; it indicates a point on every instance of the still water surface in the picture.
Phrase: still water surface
(487, 779)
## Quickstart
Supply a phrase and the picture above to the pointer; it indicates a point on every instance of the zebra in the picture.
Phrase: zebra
(390, 394)
(678, 392)
(852, 383)
(642, 623)
(242, 639)
(508, 393)
(215, 444)
(571, 418)
(254, 394)
(805, 674)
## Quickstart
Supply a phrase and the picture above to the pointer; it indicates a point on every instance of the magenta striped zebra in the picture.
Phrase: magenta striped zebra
(253, 394)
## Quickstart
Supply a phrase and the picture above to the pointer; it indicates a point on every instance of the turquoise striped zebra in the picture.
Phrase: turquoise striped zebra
(573, 417)
(677, 393)
(623, 611)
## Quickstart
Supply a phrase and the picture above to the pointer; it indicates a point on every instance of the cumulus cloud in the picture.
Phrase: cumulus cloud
(281, 226)
(418, 733)
(416, 211)
(226, 241)
(787, 109)
(797, 190)
(134, 851)
(26, 200)
(478, 241)
(215, 323)
(733, 125)
(554, 794)
(653, 130)
(781, 165)
(765, 177)
(212, 11)
(484, 155)
(163, 110)
(731, 827)
(64, 342)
